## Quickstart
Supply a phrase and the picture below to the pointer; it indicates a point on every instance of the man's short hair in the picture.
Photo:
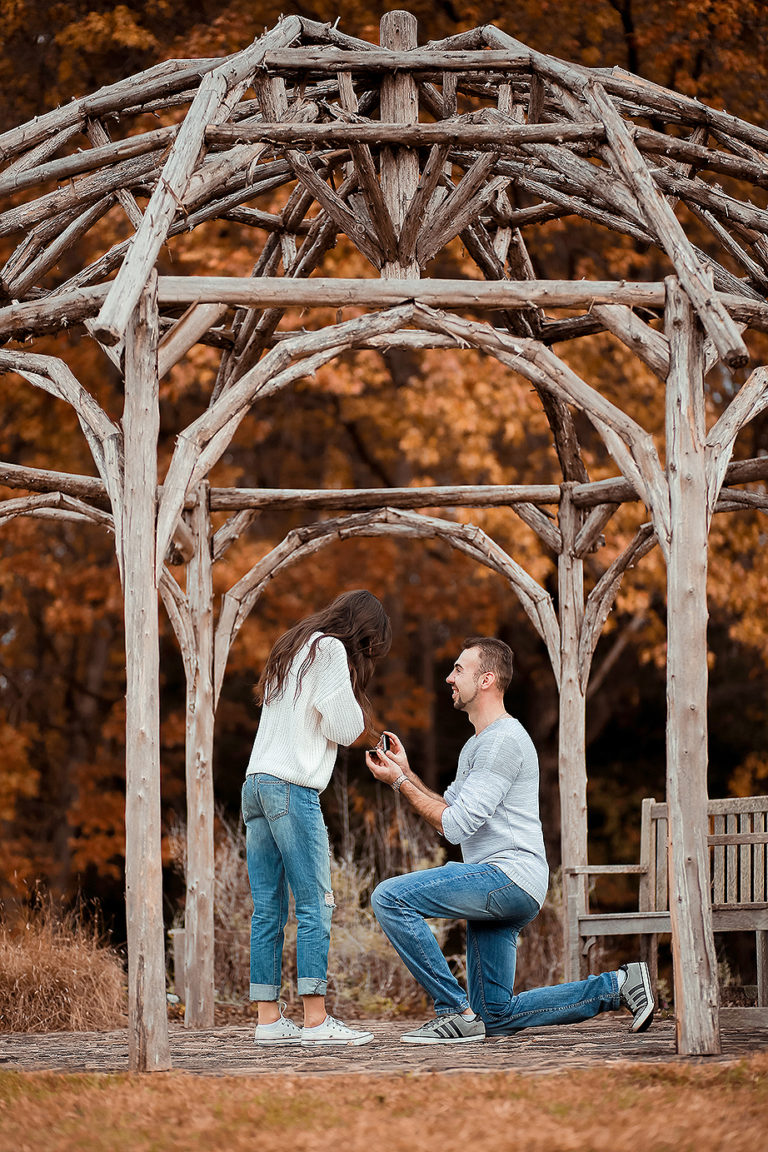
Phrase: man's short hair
(495, 656)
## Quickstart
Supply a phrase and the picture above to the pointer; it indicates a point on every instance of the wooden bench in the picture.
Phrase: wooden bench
(738, 855)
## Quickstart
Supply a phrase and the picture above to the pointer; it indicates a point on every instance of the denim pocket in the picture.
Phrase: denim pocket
(275, 797)
(510, 902)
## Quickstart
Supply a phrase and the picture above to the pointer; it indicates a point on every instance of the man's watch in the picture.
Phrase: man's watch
(397, 784)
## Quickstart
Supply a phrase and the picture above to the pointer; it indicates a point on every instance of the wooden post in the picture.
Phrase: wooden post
(148, 1044)
(198, 915)
(572, 723)
(399, 105)
(693, 949)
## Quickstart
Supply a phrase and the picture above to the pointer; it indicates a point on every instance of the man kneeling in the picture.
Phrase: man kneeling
(492, 811)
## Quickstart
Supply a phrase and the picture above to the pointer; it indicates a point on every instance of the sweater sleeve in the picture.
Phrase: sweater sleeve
(341, 717)
(471, 805)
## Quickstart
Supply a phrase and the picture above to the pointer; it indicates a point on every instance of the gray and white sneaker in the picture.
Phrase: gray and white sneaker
(450, 1028)
(332, 1031)
(637, 995)
(282, 1031)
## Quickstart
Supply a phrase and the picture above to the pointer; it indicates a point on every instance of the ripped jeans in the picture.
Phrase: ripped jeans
(287, 846)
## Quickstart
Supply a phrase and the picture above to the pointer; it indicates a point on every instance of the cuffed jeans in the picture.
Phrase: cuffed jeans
(495, 910)
(287, 846)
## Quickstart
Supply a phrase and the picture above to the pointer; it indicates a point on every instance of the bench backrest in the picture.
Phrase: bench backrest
(738, 852)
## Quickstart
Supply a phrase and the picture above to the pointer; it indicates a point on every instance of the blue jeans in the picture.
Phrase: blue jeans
(287, 846)
(495, 909)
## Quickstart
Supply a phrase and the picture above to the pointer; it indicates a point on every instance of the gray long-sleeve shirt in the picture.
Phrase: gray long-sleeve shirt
(493, 805)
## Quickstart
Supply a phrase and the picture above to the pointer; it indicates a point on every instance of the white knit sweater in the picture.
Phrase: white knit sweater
(298, 736)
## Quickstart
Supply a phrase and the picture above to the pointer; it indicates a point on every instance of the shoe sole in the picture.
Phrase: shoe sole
(275, 1043)
(642, 1022)
(440, 1039)
(337, 1043)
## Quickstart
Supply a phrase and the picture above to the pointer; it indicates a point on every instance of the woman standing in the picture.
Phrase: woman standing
(313, 695)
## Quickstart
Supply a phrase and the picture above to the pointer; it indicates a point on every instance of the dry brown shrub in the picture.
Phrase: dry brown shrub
(56, 972)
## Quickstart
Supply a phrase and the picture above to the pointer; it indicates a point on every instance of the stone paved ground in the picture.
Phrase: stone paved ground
(230, 1051)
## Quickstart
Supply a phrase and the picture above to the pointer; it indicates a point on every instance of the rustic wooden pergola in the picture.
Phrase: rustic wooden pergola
(401, 149)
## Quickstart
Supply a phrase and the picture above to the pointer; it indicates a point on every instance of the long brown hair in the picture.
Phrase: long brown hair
(357, 619)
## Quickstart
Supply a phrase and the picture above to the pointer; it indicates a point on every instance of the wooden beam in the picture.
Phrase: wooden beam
(217, 94)
(594, 494)
(399, 166)
(58, 311)
(323, 292)
(198, 910)
(408, 135)
(693, 949)
(148, 1043)
(328, 60)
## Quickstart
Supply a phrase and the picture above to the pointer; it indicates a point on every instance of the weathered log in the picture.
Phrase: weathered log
(411, 135)
(320, 61)
(702, 158)
(589, 534)
(546, 529)
(206, 438)
(104, 437)
(462, 205)
(198, 909)
(693, 949)
(99, 137)
(65, 309)
(81, 193)
(344, 218)
(148, 1043)
(749, 402)
(99, 157)
(651, 346)
(572, 772)
(630, 163)
(756, 273)
(414, 216)
(54, 505)
(597, 494)
(42, 151)
(218, 92)
(603, 596)
(399, 104)
(32, 273)
(167, 76)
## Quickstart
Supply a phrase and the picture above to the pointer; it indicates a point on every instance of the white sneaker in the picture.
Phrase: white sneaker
(332, 1031)
(282, 1031)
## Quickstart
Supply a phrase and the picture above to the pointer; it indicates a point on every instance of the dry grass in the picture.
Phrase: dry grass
(56, 973)
(691, 1107)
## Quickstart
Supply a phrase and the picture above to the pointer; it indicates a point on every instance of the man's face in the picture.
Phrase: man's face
(464, 677)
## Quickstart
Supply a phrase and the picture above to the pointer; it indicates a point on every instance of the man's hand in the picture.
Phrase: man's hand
(388, 766)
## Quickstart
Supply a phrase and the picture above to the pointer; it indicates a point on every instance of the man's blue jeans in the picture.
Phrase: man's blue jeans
(287, 846)
(495, 909)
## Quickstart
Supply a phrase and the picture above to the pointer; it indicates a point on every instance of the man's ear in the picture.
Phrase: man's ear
(489, 679)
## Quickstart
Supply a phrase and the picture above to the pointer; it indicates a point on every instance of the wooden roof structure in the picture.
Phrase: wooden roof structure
(401, 149)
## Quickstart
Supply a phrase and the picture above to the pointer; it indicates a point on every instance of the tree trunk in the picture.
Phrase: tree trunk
(148, 1044)
(695, 963)
(198, 916)
(572, 725)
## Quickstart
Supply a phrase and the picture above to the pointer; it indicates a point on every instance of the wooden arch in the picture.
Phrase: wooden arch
(400, 149)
